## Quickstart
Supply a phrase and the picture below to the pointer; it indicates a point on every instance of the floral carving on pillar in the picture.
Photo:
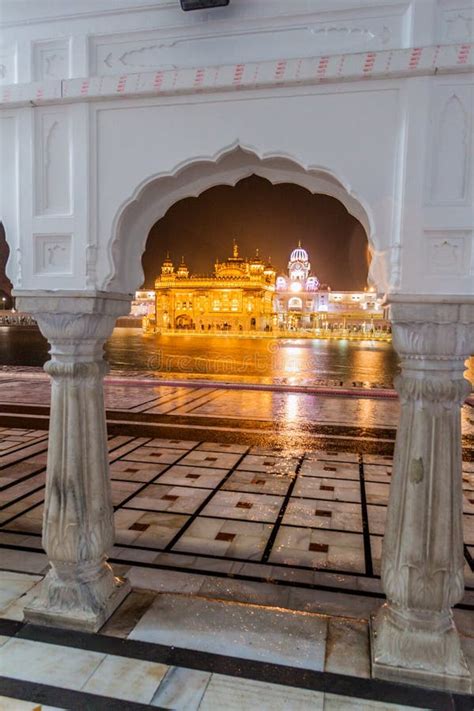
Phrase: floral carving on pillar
(80, 590)
(414, 636)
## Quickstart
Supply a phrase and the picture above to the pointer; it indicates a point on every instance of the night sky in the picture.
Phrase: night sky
(270, 217)
(257, 214)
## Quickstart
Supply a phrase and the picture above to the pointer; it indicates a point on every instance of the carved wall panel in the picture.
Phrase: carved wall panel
(53, 163)
(455, 22)
(332, 32)
(8, 65)
(448, 252)
(449, 159)
(53, 254)
(51, 60)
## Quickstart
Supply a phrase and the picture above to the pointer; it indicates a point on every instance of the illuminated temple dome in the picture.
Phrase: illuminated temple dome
(299, 254)
(299, 266)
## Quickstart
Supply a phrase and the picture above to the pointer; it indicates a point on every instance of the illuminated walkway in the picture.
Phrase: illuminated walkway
(226, 497)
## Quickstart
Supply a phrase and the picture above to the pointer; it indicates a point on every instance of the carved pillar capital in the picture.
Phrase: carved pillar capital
(422, 567)
(440, 332)
(76, 324)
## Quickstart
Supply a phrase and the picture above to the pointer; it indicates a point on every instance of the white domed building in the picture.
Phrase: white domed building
(302, 302)
(298, 295)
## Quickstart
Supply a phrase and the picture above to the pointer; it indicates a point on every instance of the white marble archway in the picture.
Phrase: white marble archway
(95, 150)
(157, 193)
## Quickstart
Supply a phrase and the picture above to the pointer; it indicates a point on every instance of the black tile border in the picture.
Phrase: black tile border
(325, 682)
(369, 569)
(70, 699)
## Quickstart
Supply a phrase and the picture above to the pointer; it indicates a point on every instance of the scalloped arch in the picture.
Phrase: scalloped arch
(157, 193)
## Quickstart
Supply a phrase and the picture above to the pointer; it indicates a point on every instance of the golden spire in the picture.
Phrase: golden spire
(299, 243)
(235, 248)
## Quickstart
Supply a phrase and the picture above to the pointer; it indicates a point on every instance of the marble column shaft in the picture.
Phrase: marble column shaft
(414, 636)
(80, 590)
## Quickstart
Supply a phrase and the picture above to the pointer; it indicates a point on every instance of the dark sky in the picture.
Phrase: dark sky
(270, 217)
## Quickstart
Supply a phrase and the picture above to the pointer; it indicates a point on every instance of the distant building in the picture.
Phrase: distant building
(238, 296)
(302, 302)
(247, 295)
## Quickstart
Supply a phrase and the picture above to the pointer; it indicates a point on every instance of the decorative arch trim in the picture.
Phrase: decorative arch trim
(154, 196)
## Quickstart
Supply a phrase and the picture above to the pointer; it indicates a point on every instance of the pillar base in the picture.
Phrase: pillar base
(417, 657)
(40, 612)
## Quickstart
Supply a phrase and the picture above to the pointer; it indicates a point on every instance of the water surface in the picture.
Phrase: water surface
(292, 361)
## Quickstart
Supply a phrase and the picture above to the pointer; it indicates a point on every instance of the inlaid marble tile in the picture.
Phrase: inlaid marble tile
(347, 648)
(135, 471)
(377, 518)
(377, 493)
(378, 473)
(161, 497)
(16, 471)
(234, 539)
(37, 662)
(330, 489)
(185, 444)
(319, 549)
(181, 689)
(223, 447)
(128, 613)
(133, 556)
(376, 544)
(334, 702)
(323, 514)
(233, 694)
(467, 481)
(155, 455)
(196, 563)
(333, 470)
(24, 561)
(154, 530)
(384, 459)
(12, 493)
(216, 460)
(244, 631)
(13, 586)
(203, 477)
(121, 490)
(127, 679)
(259, 482)
(250, 507)
(32, 517)
(268, 464)
(468, 502)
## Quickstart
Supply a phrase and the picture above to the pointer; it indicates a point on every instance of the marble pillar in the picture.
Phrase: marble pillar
(80, 590)
(413, 635)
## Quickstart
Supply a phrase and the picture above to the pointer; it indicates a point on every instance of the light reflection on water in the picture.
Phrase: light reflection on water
(292, 361)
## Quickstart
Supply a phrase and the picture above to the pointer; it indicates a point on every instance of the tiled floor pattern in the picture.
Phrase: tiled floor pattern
(226, 508)
(131, 665)
(225, 521)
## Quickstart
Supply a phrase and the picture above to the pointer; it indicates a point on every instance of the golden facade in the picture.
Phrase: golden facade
(237, 297)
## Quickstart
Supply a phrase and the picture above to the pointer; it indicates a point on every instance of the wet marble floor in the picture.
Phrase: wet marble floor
(219, 535)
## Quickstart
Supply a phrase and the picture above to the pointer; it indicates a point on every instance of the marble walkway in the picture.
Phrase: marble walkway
(267, 529)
